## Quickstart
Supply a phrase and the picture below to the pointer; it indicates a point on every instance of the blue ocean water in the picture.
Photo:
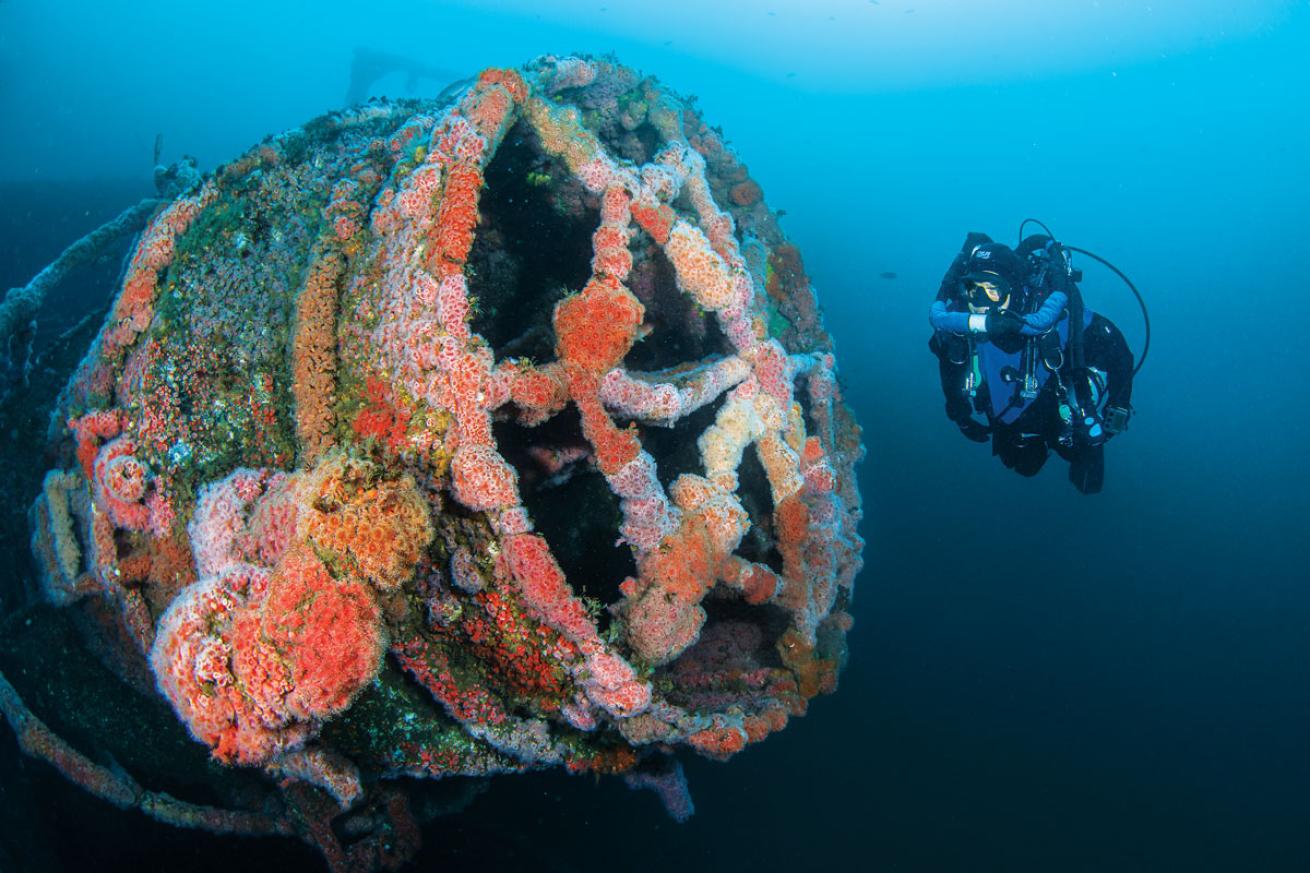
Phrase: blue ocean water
(1038, 680)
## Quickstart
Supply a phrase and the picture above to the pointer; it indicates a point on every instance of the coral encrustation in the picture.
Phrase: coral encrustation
(521, 400)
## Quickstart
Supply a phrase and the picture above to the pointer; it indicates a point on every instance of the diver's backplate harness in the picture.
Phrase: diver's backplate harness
(1041, 350)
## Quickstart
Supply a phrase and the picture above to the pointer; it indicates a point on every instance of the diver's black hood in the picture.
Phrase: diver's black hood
(995, 259)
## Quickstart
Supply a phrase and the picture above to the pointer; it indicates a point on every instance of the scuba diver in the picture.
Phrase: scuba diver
(1023, 362)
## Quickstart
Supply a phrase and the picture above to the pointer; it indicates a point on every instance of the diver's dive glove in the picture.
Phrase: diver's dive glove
(999, 323)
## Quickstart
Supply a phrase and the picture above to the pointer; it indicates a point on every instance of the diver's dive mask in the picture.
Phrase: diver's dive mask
(986, 291)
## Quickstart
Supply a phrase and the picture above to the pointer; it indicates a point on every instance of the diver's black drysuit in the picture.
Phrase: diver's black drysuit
(1023, 431)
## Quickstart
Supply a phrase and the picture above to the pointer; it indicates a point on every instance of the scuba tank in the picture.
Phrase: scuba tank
(1083, 405)
(1061, 254)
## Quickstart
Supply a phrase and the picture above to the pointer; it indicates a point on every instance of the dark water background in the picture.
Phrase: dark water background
(1038, 680)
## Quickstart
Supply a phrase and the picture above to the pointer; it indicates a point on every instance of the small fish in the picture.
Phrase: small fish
(887, 275)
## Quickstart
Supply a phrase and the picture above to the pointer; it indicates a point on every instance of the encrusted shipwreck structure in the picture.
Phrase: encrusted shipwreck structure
(457, 439)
